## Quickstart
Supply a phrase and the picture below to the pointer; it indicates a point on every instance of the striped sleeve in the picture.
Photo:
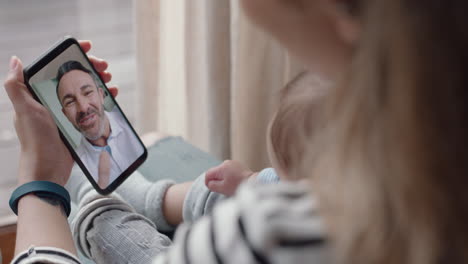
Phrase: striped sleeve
(262, 224)
(45, 255)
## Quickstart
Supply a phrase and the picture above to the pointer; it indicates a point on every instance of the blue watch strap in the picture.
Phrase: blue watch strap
(43, 189)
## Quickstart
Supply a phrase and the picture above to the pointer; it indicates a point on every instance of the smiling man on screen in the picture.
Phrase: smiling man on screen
(108, 146)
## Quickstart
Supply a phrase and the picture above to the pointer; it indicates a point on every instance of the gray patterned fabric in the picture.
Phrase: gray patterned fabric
(171, 159)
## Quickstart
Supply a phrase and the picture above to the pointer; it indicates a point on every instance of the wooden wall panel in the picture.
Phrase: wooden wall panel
(7, 242)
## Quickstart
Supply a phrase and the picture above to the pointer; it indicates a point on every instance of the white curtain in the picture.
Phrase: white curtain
(207, 74)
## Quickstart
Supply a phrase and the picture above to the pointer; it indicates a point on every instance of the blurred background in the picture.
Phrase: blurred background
(196, 69)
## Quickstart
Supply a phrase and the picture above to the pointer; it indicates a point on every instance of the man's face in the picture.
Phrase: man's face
(82, 103)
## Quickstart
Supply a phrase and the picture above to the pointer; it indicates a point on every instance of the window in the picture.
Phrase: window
(28, 28)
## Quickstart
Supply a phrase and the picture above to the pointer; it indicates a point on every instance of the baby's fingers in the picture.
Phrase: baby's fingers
(216, 186)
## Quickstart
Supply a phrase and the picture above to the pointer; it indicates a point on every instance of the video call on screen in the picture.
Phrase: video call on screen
(87, 116)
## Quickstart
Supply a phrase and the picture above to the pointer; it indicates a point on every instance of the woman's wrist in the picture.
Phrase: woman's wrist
(31, 198)
(33, 170)
(46, 191)
(25, 180)
(44, 162)
(42, 224)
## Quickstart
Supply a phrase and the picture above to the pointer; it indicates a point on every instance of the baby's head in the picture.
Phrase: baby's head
(295, 120)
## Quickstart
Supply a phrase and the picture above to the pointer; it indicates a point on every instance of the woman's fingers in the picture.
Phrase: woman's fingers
(99, 64)
(105, 76)
(85, 45)
(114, 91)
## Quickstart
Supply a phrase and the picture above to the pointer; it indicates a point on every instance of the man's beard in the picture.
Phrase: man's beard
(101, 123)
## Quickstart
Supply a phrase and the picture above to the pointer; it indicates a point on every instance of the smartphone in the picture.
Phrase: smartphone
(91, 123)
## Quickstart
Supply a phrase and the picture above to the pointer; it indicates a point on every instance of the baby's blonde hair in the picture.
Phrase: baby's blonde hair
(294, 121)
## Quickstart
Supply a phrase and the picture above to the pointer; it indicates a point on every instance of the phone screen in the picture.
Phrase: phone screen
(96, 131)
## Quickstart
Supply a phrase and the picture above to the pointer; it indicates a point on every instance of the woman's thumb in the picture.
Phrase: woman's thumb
(14, 84)
(16, 69)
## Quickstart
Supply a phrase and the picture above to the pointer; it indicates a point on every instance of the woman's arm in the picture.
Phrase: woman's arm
(42, 222)
(43, 158)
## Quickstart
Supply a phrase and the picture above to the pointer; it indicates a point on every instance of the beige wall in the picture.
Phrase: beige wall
(207, 74)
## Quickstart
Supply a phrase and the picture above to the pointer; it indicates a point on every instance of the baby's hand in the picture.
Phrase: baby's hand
(226, 177)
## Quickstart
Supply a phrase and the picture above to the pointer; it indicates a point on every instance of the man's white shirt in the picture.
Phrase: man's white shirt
(122, 145)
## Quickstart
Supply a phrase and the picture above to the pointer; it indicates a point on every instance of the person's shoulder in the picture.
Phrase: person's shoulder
(279, 217)
(285, 190)
(283, 200)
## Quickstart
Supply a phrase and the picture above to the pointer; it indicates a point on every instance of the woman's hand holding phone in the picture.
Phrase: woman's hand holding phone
(101, 66)
(43, 154)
